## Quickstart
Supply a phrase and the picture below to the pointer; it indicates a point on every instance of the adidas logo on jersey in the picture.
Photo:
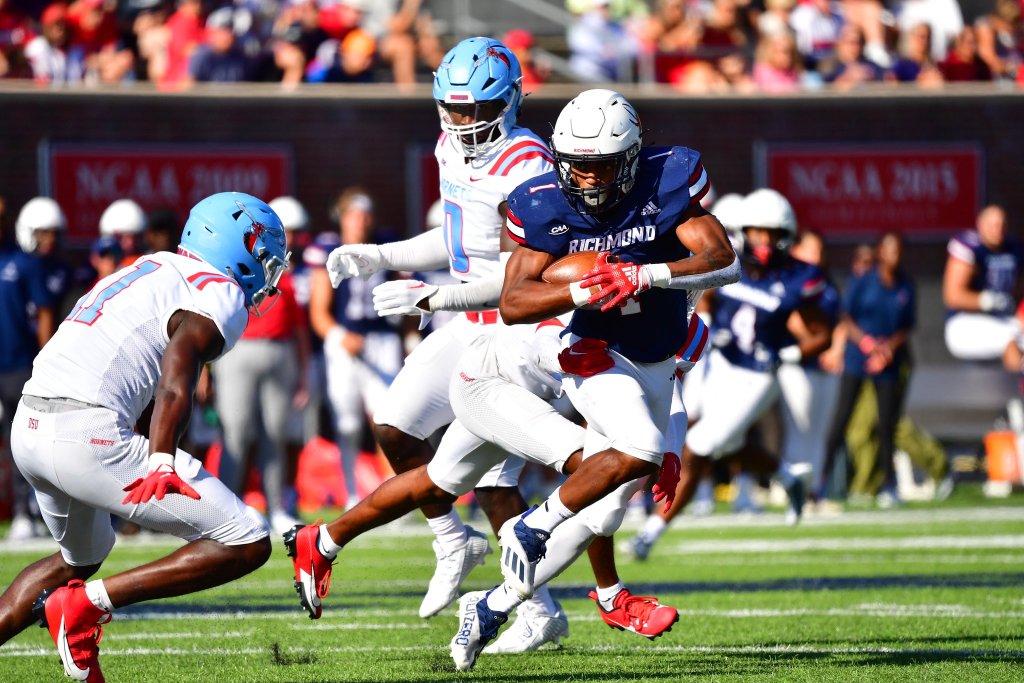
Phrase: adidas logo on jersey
(650, 209)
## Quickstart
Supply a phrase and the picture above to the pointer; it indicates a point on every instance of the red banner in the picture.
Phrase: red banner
(928, 189)
(85, 179)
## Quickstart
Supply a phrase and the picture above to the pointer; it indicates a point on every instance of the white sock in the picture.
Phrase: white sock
(653, 528)
(785, 475)
(450, 531)
(542, 598)
(548, 514)
(503, 599)
(606, 596)
(326, 544)
(97, 594)
(564, 547)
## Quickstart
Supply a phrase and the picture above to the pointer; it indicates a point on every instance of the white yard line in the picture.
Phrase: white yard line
(733, 546)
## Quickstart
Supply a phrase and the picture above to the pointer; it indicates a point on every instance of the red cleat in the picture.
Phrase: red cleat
(312, 569)
(75, 626)
(641, 614)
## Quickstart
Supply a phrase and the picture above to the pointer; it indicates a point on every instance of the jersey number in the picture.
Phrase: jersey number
(742, 326)
(87, 315)
(453, 237)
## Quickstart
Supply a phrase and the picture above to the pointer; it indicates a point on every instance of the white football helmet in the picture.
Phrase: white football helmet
(597, 126)
(123, 217)
(767, 208)
(291, 212)
(39, 213)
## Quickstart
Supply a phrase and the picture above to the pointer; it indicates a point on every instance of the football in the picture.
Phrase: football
(570, 268)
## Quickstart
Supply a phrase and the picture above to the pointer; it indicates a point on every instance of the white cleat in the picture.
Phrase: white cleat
(478, 625)
(532, 628)
(522, 547)
(451, 571)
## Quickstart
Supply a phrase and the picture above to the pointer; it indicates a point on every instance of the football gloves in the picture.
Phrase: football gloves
(668, 479)
(401, 297)
(353, 260)
(161, 480)
(619, 281)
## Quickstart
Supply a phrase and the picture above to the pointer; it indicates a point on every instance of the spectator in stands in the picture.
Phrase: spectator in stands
(348, 56)
(1001, 38)
(600, 48)
(27, 322)
(849, 68)
(915, 63)
(93, 28)
(724, 31)
(405, 33)
(943, 17)
(777, 64)
(817, 25)
(258, 386)
(776, 17)
(15, 33)
(220, 58)
(867, 16)
(672, 27)
(363, 352)
(963, 63)
(980, 287)
(50, 55)
(521, 42)
(878, 314)
(184, 32)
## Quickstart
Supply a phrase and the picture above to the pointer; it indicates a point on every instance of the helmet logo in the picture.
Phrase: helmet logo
(493, 52)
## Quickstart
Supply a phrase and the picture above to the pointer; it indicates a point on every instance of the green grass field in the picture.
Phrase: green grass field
(926, 593)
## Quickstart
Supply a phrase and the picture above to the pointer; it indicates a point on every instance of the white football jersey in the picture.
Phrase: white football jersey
(108, 351)
(472, 189)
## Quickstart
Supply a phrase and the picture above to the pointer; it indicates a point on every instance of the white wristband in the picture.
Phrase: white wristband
(580, 295)
(660, 274)
(791, 354)
(158, 460)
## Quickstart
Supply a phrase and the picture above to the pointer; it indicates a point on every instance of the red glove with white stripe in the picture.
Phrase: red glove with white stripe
(585, 358)
(161, 480)
(668, 480)
(620, 281)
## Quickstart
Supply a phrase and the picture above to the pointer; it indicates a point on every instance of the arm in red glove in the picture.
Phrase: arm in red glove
(161, 480)
(668, 480)
(586, 357)
(619, 281)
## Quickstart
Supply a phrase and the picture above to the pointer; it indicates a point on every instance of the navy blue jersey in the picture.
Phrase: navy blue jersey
(755, 311)
(22, 284)
(641, 229)
(994, 270)
(880, 311)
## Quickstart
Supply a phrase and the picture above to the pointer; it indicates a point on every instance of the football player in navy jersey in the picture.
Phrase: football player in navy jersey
(642, 207)
(979, 288)
(772, 316)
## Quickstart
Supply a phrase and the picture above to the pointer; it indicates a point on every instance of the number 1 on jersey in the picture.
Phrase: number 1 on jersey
(87, 315)
(452, 230)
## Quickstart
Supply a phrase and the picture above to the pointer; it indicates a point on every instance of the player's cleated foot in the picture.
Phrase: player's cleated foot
(74, 624)
(522, 547)
(478, 624)
(640, 547)
(797, 495)
(451, 570)
(641, 614)
(312, 568)
(531, 629)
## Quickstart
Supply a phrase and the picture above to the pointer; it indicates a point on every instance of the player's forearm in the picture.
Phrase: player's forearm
(533, 301)
(705, 270)
(423, 252)
(478, 295)
(172, 409)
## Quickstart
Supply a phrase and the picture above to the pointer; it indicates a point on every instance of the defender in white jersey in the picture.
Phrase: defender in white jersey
(139, 339)
(482, 156)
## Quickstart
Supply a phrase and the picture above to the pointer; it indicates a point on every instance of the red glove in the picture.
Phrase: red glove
(668, 480)
(620, 281)
(158, 482)
(867, 344)
(586, 358)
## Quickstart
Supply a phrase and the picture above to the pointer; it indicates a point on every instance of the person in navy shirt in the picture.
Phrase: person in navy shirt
(980, 288)
(641, 209)
(879, 316)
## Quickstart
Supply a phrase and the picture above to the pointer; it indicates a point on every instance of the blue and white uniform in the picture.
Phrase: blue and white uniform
(741, 382)
(975, 335)
(626, 407)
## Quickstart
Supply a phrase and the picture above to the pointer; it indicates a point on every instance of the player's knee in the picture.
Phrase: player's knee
(256, 554)
(83, 572)
(403, 451)
(604, 522)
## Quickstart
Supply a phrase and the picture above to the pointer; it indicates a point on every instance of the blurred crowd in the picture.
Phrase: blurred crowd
(317, 361)
(697, 46)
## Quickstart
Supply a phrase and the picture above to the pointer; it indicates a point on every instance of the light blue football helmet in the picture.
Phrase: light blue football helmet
(482, 78)
(242, 237)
